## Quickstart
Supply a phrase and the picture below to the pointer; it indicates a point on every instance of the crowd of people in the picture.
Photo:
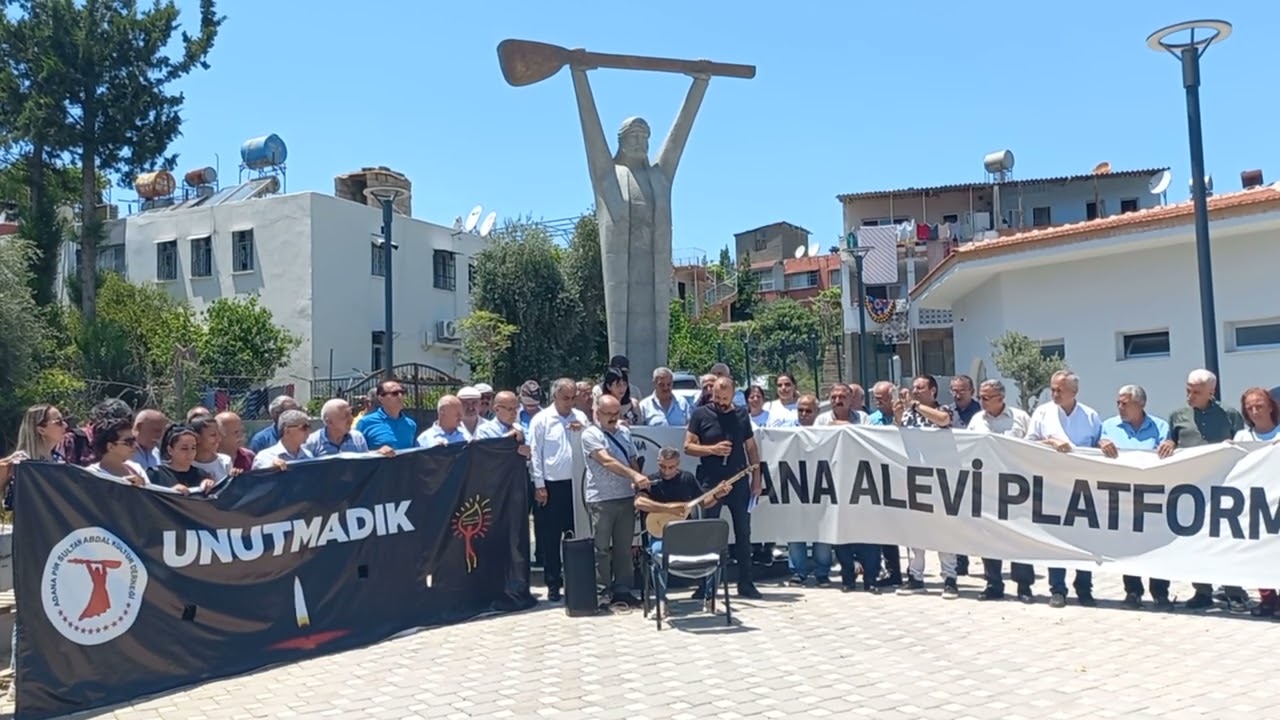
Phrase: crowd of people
(192, 455)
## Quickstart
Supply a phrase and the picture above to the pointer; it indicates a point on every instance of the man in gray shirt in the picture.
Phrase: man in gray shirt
(609, 491)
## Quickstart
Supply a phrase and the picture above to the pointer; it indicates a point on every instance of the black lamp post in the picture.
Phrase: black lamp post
(386, 196)
(857, 253)
(1200, 34)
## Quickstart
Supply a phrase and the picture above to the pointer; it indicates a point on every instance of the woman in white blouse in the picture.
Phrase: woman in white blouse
(756, 408)
(114, 443)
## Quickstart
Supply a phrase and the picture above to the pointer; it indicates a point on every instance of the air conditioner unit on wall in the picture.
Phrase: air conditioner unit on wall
(447, 331)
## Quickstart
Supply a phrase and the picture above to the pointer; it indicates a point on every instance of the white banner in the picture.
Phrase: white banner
(1208, 514)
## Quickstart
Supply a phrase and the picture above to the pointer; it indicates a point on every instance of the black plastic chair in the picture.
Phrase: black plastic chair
(691, 549)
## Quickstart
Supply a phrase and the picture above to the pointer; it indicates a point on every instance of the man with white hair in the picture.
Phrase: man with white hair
(1133, 429)
(1000, 418)
(470, 399)
(337, 435)
(268, 436)
(1063, 425)
(551, 436)
(664, 407)
(292, 427)
(448, 428)
(1205, 421)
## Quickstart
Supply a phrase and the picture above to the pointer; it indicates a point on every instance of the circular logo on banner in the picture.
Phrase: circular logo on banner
(92, 586)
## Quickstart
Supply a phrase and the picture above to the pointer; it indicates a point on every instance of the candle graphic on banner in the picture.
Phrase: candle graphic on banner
(300, 604)
(307, 640)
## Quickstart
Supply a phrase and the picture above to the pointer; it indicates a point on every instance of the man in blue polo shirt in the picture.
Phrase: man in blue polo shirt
(1133, 429)
(389, 426)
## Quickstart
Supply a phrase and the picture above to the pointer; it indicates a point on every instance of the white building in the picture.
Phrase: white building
(316, 261)
(1119, 297)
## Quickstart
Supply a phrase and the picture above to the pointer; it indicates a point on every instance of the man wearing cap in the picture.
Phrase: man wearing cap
(530, 403)
(486, 400)
(470, 398)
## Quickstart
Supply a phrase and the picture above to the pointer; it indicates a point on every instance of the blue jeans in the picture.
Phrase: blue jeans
(798, 559)
(1058, 581)
(660, 576)
(866, 554)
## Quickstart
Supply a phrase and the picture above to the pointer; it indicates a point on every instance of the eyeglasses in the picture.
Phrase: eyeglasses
(130, 441)
(56, 421)
(392, 393)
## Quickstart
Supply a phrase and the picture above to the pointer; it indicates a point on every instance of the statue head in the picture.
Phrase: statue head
(633, 139)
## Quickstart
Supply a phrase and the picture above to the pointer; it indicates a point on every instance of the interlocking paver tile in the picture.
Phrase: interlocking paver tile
(816, 653)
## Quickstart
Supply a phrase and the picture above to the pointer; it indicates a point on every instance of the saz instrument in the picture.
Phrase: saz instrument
(655, 523)
(525, 62)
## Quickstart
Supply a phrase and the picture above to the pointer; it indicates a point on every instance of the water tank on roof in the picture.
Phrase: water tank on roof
(998, 161)
(263, 152)
(155, 184)
(202, 176)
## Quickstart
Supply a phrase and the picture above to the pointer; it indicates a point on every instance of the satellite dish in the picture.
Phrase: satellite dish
(814, 249)
(1102, 168)
(457, 223)
(473, 217)
(1208, 183)
(799, 253)
(1159, 182)
(486, 227)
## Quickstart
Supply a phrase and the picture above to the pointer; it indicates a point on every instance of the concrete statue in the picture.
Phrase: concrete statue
(632, 194)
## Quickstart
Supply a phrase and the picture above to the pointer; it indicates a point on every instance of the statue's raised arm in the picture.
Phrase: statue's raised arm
(599, 159)
(673, 146)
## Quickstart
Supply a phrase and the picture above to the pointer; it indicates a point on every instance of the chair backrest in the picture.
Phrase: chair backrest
(696, 537)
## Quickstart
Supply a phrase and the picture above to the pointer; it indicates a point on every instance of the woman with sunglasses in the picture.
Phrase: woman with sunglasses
(114, 443)
(177, 469)
(39, 438)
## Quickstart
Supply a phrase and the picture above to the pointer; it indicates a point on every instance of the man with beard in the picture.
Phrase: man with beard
(720, 434)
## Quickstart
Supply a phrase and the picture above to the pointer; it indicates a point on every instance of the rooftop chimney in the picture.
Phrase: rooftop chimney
(351, 186)
(1250, 179)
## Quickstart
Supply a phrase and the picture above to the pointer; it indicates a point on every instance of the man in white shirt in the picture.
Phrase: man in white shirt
(1062, 425)
(664, 407)
(292, 427)
(999, 418)
(844, 407)
(470, 398)
(448, 428)
(551, 444)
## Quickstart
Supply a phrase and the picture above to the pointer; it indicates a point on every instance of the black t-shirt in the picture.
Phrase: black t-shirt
(681, 488)
(711, 426)
(168, 477)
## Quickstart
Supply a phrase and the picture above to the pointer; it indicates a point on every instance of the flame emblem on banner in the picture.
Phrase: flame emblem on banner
(471, 521)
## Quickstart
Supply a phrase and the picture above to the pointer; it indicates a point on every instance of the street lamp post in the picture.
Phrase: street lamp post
(386, 196)
(1200, 35)
(857, 253)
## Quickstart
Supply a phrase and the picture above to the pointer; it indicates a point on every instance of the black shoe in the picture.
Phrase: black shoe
(1264, 610)
(991, 594)
(749, 592)
(1057, 600)
(912, 587)
(1199, 601)
(1085, 598)
(796, 580)
(1025, 595)
(626, 599)
(1237, 606)
(553, 594)
(848, 588)
(889, 581)
(1132, 601)
(950, 591)
(824, 581)
(872, 588)
(1161, 603)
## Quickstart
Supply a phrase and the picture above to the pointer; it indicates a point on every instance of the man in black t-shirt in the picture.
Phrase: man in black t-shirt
(720, 434)
(670, 490)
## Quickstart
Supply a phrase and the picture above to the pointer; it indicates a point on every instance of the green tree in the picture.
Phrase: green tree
(784, 332)
(693, 341)
(1020, 359)
(518, 278)
(584, 279)
(829, 312)
(21, 327)
(111, 61)
(486, 339)
(241, 345)
(748, 297)
(153, 325)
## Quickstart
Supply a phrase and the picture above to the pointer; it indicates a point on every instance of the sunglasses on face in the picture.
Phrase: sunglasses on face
(130, 441)
(393, 393)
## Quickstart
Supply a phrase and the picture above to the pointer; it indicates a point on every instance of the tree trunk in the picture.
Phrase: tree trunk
(89, 230)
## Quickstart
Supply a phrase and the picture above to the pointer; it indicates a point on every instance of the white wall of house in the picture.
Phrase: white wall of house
(1090, 302)
(312, 266)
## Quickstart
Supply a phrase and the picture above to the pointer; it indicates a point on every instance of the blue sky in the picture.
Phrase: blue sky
(849, 96)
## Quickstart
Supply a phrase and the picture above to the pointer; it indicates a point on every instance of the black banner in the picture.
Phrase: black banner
(123, 592)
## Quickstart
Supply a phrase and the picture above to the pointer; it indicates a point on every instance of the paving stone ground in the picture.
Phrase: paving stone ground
(800, 652)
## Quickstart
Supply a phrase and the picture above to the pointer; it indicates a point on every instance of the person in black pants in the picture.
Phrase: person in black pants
(720, 434)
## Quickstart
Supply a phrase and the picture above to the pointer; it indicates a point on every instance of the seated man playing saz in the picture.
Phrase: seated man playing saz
(669, 493)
